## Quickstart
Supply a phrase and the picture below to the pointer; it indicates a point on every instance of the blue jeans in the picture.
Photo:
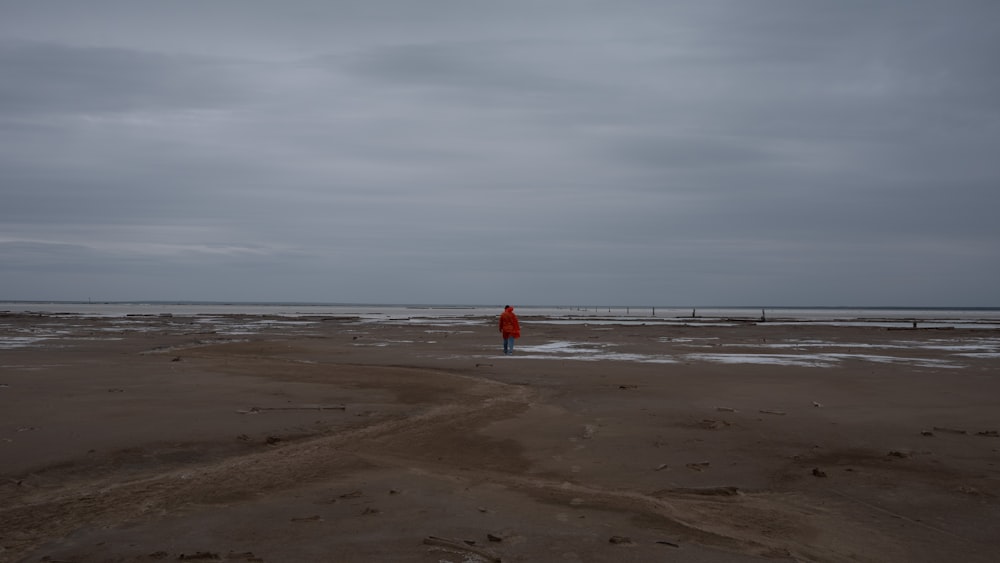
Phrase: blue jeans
(508, 345)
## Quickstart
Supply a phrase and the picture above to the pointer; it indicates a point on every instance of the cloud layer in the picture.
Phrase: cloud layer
(702, 153)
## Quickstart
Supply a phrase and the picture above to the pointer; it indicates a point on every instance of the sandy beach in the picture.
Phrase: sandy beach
(283, 439)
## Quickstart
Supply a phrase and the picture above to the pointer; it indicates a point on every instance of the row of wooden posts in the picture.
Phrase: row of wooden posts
(694, 312)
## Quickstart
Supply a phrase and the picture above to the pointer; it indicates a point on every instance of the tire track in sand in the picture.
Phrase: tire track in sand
(40, 515)
(745, 523)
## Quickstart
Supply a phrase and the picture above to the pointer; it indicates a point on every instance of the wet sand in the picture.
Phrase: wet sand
(297, 440)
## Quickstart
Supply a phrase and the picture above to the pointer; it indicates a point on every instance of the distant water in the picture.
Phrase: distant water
(925, 317)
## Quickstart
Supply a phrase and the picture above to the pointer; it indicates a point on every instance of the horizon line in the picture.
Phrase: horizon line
(481, 305)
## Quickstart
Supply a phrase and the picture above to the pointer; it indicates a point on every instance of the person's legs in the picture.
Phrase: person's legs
(510, 346)
(505, 339)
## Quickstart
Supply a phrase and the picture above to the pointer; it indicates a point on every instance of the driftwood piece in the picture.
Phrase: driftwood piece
(460, 545)
(208, 555)
(621, 540)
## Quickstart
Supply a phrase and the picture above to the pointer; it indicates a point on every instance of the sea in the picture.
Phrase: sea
(902, 317)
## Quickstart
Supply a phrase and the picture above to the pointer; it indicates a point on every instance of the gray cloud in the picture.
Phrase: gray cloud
(566, 152)
(51, 78)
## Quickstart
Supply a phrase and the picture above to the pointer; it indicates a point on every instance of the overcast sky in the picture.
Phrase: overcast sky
(689, 153)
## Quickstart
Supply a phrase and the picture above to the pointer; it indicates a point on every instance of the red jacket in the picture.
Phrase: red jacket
(508, 323)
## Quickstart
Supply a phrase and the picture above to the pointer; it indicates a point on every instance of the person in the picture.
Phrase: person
(510, 329)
